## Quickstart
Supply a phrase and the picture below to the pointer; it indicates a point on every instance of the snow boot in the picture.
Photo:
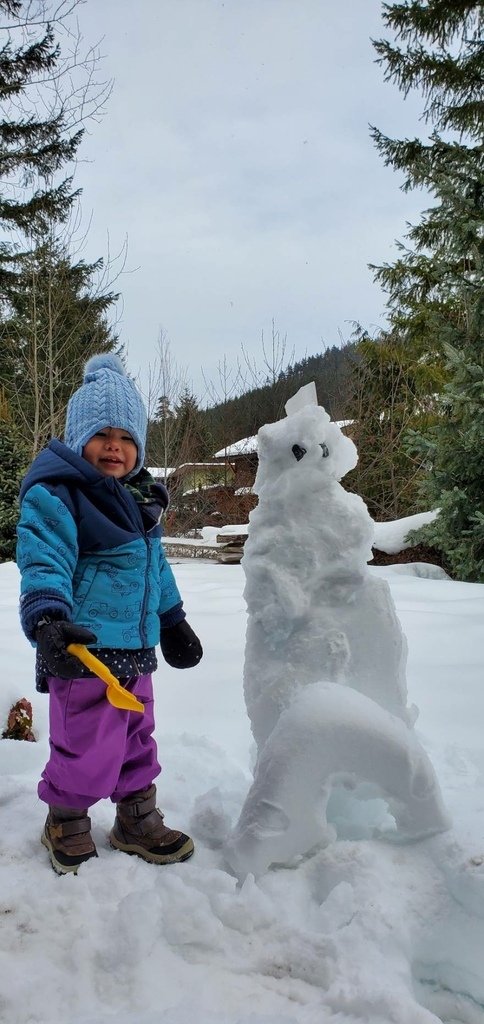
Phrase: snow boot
(67, 836)
(139, 828)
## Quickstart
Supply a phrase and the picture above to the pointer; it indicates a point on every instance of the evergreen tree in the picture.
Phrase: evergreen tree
(394, 392)
(163, 409)
(455, 451)
(191, 441)
(55, 317)
(436, 286)
(53, 313)
(33, 148)
(13, 464)
(161, 436)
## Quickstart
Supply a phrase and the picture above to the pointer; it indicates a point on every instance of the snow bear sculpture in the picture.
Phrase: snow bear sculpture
(324, 674)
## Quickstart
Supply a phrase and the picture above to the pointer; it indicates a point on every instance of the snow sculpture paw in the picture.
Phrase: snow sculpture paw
(330, 732)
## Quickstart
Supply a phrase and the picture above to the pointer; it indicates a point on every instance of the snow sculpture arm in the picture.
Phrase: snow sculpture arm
(275, 600)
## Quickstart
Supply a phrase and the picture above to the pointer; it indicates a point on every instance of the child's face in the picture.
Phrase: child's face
(112, 451)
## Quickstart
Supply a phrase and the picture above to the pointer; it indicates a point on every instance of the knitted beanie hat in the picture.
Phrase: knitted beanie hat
(107, 398)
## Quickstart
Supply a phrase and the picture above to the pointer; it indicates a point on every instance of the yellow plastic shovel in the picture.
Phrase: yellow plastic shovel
(115, 693)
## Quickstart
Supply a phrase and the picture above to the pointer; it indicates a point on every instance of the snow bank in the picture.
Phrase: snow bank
(392, 537)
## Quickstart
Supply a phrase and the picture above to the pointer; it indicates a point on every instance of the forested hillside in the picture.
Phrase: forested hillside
(242, 416)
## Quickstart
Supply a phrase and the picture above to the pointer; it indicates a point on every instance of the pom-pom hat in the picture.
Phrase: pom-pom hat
(107, 398)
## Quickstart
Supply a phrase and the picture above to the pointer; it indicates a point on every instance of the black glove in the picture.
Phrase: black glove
(180, 646)
(52, 641)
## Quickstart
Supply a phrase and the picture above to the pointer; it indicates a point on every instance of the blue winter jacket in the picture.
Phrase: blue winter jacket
(84, 554)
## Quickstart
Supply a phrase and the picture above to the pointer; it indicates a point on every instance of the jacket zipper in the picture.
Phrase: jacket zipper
(142, 623)
(127, 504)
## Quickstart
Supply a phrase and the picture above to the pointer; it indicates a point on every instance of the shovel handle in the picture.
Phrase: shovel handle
(130, 702)
(90, 661)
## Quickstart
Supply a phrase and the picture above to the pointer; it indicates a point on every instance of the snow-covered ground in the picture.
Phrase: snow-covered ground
(362, 931)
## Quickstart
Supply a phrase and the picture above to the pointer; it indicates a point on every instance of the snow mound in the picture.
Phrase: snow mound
(392, 537)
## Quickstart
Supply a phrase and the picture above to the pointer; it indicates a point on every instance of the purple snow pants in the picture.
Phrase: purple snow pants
(97, 750)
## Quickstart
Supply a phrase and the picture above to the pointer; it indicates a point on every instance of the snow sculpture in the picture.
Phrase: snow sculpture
(324, 674)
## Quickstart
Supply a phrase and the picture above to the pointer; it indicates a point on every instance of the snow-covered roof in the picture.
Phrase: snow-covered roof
(158, 471)
(197, 465)
(246, 446)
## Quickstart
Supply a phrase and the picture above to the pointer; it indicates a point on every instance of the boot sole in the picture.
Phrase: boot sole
(58, 866)
(133, 849)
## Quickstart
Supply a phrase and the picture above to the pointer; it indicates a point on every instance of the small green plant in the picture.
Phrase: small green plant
(19, 722)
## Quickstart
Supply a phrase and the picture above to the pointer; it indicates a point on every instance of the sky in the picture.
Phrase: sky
(234, 156)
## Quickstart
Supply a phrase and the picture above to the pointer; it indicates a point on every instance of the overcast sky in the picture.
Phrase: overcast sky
(235, 156)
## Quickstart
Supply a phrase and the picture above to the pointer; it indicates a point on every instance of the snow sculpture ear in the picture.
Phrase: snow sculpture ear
(344, 455)
(305, 396)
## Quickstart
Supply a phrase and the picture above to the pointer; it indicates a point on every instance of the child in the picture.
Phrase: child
(94, 572)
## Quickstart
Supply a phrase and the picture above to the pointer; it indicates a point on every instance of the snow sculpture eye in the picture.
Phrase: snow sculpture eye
(325, 450)
(298, 452)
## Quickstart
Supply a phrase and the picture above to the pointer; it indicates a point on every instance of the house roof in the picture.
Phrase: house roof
(158, 471)
(197, 465)
(246, 446)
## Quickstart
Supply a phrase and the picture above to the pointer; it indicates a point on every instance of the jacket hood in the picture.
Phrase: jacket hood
(58, 464)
